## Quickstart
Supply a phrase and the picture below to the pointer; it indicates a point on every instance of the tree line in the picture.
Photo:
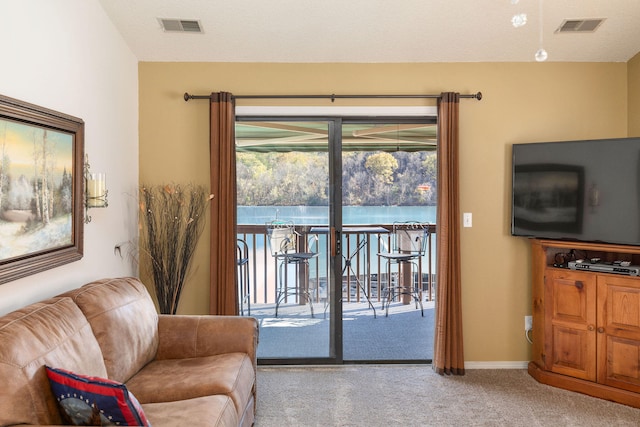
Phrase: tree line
(368, 179)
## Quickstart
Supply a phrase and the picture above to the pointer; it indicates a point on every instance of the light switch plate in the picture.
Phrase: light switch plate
(467, 220)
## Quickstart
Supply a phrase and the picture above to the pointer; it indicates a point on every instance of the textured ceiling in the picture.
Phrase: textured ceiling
(376, 30)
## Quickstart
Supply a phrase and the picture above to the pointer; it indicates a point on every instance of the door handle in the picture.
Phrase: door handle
(334, 236)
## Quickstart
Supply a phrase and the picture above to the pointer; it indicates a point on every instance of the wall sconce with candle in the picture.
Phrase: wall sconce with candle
(95, 190)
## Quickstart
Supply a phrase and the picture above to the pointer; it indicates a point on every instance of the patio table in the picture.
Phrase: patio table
(366, 231)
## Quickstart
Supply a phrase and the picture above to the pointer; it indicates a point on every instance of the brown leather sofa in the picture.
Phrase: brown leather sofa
(184, 370)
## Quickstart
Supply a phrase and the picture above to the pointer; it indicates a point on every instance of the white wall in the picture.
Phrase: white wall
(67, 56)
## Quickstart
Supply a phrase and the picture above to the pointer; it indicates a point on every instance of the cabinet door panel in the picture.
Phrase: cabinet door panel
(571, 325)
(619, 332)
(568, 357)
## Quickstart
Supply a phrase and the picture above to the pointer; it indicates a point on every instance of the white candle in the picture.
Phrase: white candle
(96, 189)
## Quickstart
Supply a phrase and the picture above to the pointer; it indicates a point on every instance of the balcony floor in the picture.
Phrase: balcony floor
(402, 336)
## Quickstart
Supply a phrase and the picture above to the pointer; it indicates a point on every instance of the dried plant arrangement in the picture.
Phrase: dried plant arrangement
(172, 220)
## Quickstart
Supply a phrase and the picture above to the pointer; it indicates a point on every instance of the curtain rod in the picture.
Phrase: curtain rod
(188, 97)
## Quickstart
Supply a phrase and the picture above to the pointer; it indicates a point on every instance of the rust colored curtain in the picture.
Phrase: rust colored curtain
(448, 357)
(224, 298)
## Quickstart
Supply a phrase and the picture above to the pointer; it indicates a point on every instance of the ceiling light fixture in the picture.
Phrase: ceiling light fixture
(541, 54)
(520, 20)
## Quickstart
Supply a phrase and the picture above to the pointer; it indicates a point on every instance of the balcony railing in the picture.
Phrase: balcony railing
(367, 274)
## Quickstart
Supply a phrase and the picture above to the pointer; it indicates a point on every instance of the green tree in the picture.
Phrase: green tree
(382, 166)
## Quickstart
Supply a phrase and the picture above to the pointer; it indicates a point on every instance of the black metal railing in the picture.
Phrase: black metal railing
(365, 275)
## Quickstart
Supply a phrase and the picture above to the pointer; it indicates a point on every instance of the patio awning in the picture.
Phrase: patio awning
(313, 137)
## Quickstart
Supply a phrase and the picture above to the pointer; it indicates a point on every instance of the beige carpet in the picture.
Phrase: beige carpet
(398, 395)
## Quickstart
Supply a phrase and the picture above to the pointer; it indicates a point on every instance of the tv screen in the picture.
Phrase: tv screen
(577, 190)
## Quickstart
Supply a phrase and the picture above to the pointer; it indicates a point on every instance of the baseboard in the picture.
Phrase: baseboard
(496, 365)
(467, 365)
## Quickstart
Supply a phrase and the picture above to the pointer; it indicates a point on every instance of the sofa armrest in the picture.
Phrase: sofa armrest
(184, 336)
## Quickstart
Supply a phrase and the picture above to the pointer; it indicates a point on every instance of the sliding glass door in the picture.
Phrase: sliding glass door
(339, 183)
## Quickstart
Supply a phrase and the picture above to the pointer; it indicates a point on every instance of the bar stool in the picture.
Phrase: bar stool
(283, 244)
(244, 290)
(409, 242)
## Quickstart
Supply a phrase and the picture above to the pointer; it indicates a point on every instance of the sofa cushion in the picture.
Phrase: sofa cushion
(124, 320)
(52, 332)
(207, 411)
(83, 398)
(229, 374)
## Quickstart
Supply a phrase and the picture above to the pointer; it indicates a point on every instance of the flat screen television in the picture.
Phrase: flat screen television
(586, 191)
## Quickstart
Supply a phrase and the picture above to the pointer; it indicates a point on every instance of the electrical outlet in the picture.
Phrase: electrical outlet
(528, 323)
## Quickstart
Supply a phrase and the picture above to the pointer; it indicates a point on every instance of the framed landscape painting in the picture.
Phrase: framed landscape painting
(41, 189)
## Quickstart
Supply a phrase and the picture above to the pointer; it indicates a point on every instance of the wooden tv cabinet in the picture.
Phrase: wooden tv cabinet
(586, 325)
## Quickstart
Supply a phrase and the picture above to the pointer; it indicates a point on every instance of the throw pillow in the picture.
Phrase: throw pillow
(85, 400)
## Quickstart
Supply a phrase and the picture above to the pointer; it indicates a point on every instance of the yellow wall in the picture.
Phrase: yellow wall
(523, 102)
(634, 95)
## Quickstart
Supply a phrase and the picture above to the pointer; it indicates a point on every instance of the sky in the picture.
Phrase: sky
(19, 139)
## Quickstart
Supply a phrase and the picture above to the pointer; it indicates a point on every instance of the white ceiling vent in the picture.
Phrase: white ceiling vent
(180, 25)
(579, 25)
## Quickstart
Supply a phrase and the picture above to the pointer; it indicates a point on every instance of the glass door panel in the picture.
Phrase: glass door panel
(283, 216)
(388, 176)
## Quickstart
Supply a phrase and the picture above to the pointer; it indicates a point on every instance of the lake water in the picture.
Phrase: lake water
(319, 215)
(351, 215)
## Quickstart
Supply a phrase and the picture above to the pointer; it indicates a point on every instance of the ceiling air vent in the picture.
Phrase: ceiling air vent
(180, 25)
(579, 25)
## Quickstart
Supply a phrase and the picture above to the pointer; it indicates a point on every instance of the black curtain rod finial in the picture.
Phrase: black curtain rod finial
(188, 97)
